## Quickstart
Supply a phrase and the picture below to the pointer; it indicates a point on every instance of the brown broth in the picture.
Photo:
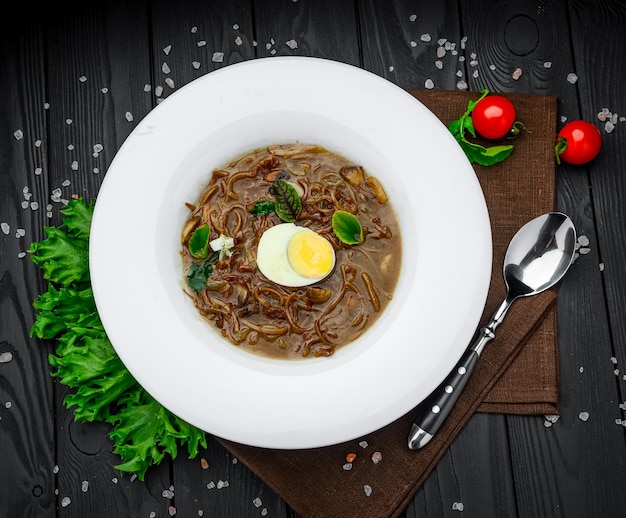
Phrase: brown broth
(266, 318)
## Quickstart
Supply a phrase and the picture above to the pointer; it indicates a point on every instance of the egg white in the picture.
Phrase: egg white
(272, 257)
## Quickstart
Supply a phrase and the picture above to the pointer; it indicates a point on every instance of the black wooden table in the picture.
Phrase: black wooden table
(74, 81)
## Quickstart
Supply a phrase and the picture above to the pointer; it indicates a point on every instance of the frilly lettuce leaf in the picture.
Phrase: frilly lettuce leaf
(143, 431)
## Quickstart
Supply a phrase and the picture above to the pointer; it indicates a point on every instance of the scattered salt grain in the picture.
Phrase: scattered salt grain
(18, 134)
(166, 50)
(6, 357)
(623, 405)
(82, 79)
(441, 52)
(195, 64)
(584, 250)
(84, 486)
(439, 64)
(583, 240)
(461, 85)
(257, 502)
(55, 469)
(170, 82)
(459, 73)
(218, 57)
(129, 116)
(391, 68)
(429, 84)
(152, 514)
(458, 506)
(377, 457)
(547, 64)
(609, 127)
(194, 29)
(292, 44)
(24, 204)
(367, 490)
(413, 43)
(70, 147)
(239, 41)
(96, 170)
(38, 143)
(158, 91)
(167, 493)
(114, 480)
(74, 165)
(264, 510)
(601, 267)
(68, 121)
(97, 148)
(34, 205)
(221, 484)
(201, 43)
(572, 78)
(133, 477)
(363, 444)
(105, 90)
(38, 171)
(413, 17)
(5, 227)
(425, 37)
(171, 510)
(517, 73)
(583, 416)
(46, 106)
(347, 466)
(165, 68)
(66, 501)
(210, 485)
(147, 87)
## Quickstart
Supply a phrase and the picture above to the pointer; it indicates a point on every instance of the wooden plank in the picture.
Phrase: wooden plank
(190, 40)
(97, 65)
(26, 390)
(409, 45)
(524, 37)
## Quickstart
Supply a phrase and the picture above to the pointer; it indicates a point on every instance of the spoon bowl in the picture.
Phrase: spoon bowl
(537, 258)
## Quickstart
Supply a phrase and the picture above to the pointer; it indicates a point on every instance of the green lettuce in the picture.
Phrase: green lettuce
(143, 431)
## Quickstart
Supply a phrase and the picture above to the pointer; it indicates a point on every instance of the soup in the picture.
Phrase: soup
(291, 251)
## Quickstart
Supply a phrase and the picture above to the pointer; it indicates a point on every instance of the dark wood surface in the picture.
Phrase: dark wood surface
(498, 466)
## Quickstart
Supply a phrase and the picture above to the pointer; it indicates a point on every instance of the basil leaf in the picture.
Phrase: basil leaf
(347, 228)
(198, 275)
(288, 204)
(262, 208)
(199, 242)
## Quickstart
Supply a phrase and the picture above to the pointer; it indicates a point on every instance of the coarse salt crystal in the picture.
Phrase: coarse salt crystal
(458, 506)
(6, 228)
(84, 486)
(169, 82)
(18, 134)
(292, 44)
(367, 489)
(583, 416)
(218, 57)
(167, 493)
(461, 85)
(66, 501)
(74, 165)
(609, 126)
(147, 87)
(171, 510)
(413, 17)
(441, 52)
(201, 43)
(195, 64)
(257, 502)
(547, 64)
(377, 457)
(347, 466)
(264, 510)
(429, 84)
(363, 444)
(517, 73)
(129, 116)
(166, 50)
(165, 68)
(439, 64)
(572, 78)
(158, 91)
(239, 41)
(6, 357)
(38, 171)
(413, 43)
(210, 485)
(425, 37)
(82, 79)
(105, 90)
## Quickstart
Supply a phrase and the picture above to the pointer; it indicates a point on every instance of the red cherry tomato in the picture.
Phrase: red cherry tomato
(582, 142)
(493, 116)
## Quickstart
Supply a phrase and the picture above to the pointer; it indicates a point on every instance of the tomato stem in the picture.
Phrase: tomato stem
(559, 148)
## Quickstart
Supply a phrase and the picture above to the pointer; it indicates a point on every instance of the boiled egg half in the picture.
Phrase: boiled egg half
(294, 256)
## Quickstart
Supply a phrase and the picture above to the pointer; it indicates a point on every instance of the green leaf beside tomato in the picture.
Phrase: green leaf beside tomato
(476, 153)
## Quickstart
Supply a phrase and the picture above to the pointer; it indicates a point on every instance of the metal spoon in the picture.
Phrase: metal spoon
(537, 258)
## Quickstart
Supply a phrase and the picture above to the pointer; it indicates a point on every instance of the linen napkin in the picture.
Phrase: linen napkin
(518, 373)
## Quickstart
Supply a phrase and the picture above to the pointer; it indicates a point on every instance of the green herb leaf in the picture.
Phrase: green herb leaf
(262, 208)
(347, 228)
(476, 153)
(198, 275)
(101, 388)
(199, 242)
(288, 204)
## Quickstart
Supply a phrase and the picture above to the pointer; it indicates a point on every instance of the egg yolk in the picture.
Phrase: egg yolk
(310, 255)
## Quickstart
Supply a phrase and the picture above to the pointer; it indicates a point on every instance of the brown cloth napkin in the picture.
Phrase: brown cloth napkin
(508, 378)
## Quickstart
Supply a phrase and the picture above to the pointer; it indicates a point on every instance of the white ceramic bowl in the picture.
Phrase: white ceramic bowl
(182, 361)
